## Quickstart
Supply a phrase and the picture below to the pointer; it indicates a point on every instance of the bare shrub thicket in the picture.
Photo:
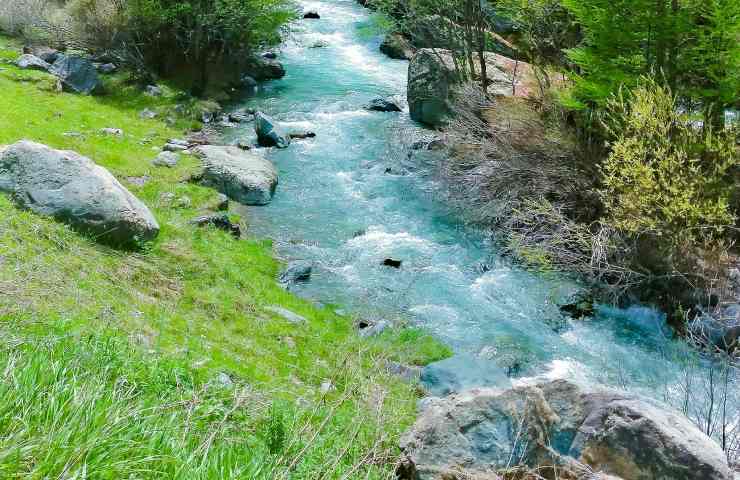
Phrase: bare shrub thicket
(512, 166)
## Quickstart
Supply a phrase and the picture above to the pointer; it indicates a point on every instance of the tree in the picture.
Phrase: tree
(690, 45)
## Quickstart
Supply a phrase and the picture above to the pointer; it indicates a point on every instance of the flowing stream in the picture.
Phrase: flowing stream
(352, 197)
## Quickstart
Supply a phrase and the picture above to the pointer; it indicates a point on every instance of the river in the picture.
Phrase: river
(351, 197)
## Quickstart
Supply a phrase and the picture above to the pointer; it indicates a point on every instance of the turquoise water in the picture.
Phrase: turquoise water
(339, 206)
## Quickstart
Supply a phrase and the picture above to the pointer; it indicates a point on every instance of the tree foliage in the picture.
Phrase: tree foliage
(690, 45)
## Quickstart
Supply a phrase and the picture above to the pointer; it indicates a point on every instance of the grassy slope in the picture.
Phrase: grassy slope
(108, 359)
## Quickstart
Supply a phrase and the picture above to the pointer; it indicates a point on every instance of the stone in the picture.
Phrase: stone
(302, 135)
(312, 14)
(107, 68)
(221, 203)
(247, 82)
(397, 46)
(579, 305)
(73, 189)
(286, 314)
(138, 181)
(179, 141)
(269, 133)
(261, 69)
(220, 221)
(240, 117)
(114, 132)
(326, 387)
(152, 91)
(31, 62)
(174, 147)
(147, 114)
(618, 434)
(372, 329)
(243, 176)
(297, 271)
(166, 159)
(269, 55)
(433, 81)
(383, 105)
(319, 44)
(77, 74)
(224, 380)
(389, 262)
(45, 53)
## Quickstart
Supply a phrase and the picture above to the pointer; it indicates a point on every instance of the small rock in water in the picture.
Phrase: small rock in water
(116, 132)
(389, 262)
(312, 14)
(153, 91)
(218, 220)
(319, 44)
(383, 105)
(301, 135)
(269, 133)
(243, 145)
(269, 55)
(298, 271)
(240, 117)
(165, 159)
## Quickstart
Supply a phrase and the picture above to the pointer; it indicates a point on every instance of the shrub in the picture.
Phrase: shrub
(665, 177)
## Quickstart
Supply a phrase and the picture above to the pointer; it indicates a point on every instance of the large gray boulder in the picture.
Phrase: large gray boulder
(77, 74)
(269, 133)
(242, 175)
(479, 431)
(73, 189)
(433, 80)
(47, 54)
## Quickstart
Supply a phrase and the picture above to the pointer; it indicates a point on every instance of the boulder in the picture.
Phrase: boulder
(312, 14)
(269, 133)
(298, 271)
(77, 74)
(242, 175)
(47, 54)
(73, 189)
(397, 46)
(383, 105)
(557, 422)
(433, 81)
(31, 62)
(262, 68)
(166, 159)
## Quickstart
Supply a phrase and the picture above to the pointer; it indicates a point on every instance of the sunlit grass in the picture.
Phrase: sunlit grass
(111, 360)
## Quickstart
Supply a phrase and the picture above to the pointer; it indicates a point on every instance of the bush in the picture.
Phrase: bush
(665, 177)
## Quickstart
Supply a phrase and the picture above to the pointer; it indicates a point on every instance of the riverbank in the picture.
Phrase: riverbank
(170, 362)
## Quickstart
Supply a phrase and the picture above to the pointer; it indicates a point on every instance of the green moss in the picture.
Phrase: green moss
(127, 345)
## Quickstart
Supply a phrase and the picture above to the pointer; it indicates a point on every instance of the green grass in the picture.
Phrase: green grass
(109, 360)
